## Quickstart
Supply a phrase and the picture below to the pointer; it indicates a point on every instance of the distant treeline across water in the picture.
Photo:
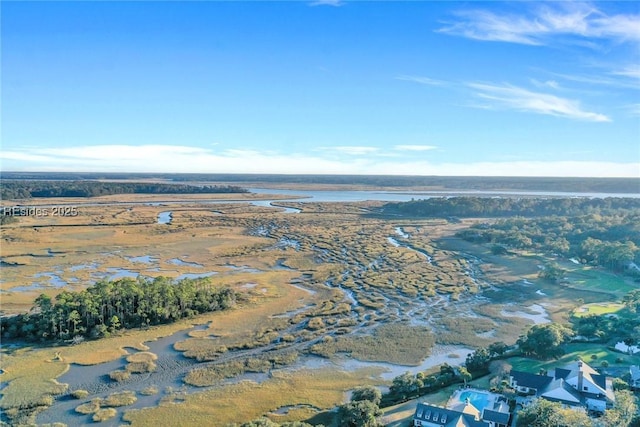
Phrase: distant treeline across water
(26, 189)
(588, 185)
(484, 207)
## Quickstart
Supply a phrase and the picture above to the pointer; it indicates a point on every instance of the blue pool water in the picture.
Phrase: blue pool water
(478, 399)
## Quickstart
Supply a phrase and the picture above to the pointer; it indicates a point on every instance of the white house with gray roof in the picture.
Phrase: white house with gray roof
(576, 384)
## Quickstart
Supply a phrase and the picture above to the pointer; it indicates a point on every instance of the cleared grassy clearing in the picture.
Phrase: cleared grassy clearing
(247, 401)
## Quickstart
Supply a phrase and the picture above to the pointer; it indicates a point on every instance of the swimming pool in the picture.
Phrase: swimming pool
(477, 398)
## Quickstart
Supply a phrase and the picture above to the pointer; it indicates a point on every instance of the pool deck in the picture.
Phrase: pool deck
(456, 400)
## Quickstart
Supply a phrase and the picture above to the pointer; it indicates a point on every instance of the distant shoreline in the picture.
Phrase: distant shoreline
(355, 182)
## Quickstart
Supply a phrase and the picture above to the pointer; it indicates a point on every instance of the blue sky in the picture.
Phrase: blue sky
(411, 88)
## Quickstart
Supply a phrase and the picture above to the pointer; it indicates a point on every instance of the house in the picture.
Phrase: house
(427, 415)
(498, 415)
(576, 384)
(462, 414)
(634, 377)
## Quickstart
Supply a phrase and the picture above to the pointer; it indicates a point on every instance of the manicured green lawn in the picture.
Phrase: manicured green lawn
(598, 309)
(583, 351)
(594, 279)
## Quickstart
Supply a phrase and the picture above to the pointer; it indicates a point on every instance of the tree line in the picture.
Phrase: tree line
(485, 207)
(439, 183)
(109, 306)
(26, 189)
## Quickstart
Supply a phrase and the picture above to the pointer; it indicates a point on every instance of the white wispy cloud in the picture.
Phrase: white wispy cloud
(352, 150)
(617, 78)
(334, 3)
(414, 147)
(548, 83)
(422, 80)
(634, 109)
(181, 159)
(631, 71)
(516, 98)
(543, 24)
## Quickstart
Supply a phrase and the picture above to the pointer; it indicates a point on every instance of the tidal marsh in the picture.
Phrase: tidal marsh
(326, 281)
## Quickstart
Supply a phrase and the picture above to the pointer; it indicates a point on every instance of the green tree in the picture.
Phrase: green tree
(497, 348)
(624, 411)
(464, 374)
(551, 272)
(405, 385)
(632, 300)
(370, 393)
(359, 414)
(544, 341)
(478, 360)
(543, 413)
(114, 323)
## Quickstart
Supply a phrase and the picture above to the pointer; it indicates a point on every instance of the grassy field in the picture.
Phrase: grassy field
(598, 309)
(597, 280)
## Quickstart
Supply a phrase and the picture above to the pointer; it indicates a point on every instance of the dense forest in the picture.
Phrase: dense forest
(108, 306)
(483, 207)
(598, 231)
(612, 241)
(597, 185)
(24, 189)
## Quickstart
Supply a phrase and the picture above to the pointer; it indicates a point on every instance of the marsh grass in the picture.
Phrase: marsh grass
(150, 391)
(104, 414)
(120, 375)
(392, 343)
(244, 401)
(79, 394)
(141, 367)
(89, 407)
(461, 330)
(343, 240)
(211, 375)
(29, 374)
(123, 398)
(142, 356)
